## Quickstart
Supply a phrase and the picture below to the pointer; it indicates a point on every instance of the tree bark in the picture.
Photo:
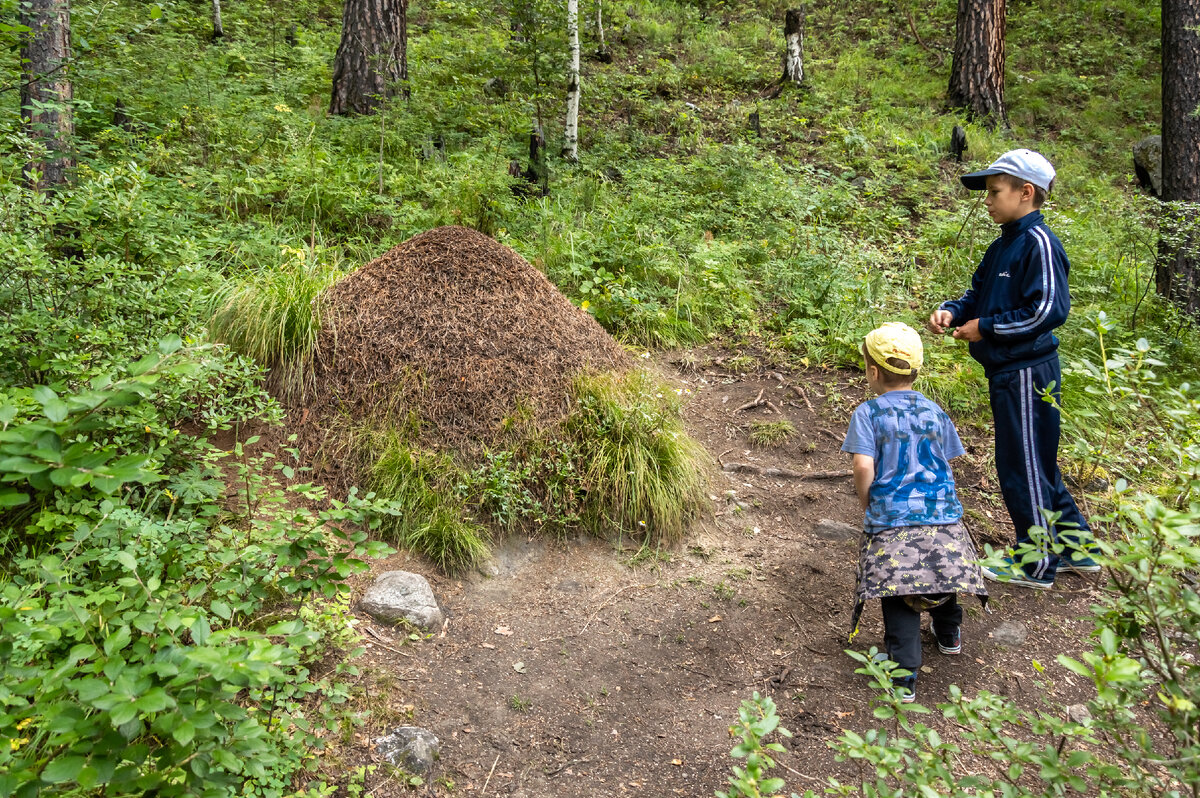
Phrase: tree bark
(218, 28)
(571, 139)
(977, 71)
(1177, 275)
(602, 52)
(793, 35)
(371, 64)
(46, 88)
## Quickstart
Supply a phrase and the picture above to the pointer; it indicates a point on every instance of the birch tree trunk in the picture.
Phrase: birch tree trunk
(46, 87)
(571, 139)
(977, 72)
(372, 59)
(602, 53)
(1177, 273)
(218, 28)
(793, 34)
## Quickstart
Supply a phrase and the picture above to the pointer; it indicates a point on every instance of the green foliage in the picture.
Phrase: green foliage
(771, 433)
(274, 318)
(642, 473)
(431, 522)
(757, 718)
(137, 653)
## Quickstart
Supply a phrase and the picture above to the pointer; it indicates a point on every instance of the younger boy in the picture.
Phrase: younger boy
(916, 554)
(1017, 297)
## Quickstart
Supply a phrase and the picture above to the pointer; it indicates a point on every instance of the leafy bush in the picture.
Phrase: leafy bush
(641, 472)
(274, 317)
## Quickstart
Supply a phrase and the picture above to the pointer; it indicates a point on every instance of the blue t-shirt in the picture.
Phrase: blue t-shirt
(912, 441)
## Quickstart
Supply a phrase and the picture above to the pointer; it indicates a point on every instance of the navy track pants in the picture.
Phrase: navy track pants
(1027, 433)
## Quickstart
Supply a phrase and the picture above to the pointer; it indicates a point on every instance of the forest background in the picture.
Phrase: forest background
(142, 647)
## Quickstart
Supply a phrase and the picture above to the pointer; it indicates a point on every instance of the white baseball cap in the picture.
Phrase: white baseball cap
(1027, 165)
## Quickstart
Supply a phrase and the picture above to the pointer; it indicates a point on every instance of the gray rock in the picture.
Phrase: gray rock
(569, 586)
(836, 530)
(409, 747)
(1078, 713)
(1147, 163)
(401, 596)
(1010, 633)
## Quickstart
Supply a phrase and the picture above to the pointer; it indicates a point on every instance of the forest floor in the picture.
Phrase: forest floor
(583, 668)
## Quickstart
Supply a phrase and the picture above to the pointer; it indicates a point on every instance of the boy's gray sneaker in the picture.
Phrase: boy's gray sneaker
(1078, 562)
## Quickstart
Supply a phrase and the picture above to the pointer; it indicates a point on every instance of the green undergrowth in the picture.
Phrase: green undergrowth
(274, 317)
(620, 465)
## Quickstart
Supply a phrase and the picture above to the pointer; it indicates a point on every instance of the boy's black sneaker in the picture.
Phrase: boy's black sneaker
(906, 689)
(949, 642)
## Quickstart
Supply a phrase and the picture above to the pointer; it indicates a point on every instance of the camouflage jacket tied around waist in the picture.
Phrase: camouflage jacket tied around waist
(916, 561)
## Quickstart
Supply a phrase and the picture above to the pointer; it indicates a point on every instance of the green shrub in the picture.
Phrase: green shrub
(771, 434)
(433, 521)
(274, 317)
(642, 474)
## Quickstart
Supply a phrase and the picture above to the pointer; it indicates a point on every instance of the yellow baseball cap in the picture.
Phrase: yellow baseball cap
(896, 339)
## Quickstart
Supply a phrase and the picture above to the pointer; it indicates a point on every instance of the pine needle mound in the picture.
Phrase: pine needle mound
(457, 335)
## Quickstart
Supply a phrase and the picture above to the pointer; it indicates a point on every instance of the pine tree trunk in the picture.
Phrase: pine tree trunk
(793, 34)
(1178, 269)
(45, 59)
(218, 28)
(372, 59)
(571, 139)
(977, 72)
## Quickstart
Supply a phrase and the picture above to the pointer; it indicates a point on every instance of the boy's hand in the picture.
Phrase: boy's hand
(969, 331)
(939, 321)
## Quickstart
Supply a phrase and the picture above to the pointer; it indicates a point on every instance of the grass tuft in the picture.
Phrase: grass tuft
(642, 473)
(274, 318)
(771, 434)
(433, 523)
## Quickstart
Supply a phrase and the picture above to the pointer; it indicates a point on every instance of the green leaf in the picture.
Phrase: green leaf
(63, 768)
(184, 733)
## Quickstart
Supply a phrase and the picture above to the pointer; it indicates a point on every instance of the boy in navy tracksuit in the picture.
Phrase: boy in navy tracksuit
(1018, 295)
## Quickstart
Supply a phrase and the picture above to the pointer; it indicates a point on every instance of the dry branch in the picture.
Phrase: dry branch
(783, 473)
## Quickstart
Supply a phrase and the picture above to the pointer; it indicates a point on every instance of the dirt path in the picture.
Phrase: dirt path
(579, 669)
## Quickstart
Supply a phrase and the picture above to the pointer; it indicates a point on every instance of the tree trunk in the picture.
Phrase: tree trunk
(602, 52)
(1178, 269)
(571, 140)
(46, 84)
(372, 59)
(218, 28)
(977, 72)
(793, 35)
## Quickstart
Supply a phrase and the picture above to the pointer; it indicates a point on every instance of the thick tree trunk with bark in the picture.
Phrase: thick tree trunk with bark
(218, 28)
(45, 79)
(1178, 270)
(372, 59)
(571, 138)
(977, 72)
(793, 35)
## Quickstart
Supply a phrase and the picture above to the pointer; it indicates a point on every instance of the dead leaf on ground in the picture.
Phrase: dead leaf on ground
(715, 619)
(503, 630)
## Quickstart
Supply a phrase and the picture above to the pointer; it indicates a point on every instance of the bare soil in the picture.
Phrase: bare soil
(590, 668)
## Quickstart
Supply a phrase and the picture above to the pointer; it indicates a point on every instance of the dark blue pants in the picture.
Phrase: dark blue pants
(1027, 432)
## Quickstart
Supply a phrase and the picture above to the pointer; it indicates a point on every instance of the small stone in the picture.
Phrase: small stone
(1010, 633)
(836, 530)
(489, 569)
(409, 747)
(401, 596)
(568, 586)
(1078, 713)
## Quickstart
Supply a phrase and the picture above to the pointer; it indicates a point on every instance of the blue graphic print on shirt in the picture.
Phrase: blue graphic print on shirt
(912, 442)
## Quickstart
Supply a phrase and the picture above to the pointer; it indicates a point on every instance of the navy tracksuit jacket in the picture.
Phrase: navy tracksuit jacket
(1019, 294)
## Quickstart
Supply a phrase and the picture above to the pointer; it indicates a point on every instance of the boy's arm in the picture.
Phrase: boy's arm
(1045, 300)
(864, 475)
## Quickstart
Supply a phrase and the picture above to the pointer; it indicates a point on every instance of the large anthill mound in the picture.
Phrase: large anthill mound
(458, 333)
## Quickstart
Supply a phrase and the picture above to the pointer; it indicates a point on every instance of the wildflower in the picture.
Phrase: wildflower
(645, 355)
(283, 109)
(585, 304)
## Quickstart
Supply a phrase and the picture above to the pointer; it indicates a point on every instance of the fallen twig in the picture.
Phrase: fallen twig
(381, 641)
(800, 392)
(489, 776)
(758, 400)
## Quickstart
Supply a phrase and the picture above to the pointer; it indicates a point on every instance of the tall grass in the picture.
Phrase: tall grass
(642, 473)
(274, 317)
(433, 523)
